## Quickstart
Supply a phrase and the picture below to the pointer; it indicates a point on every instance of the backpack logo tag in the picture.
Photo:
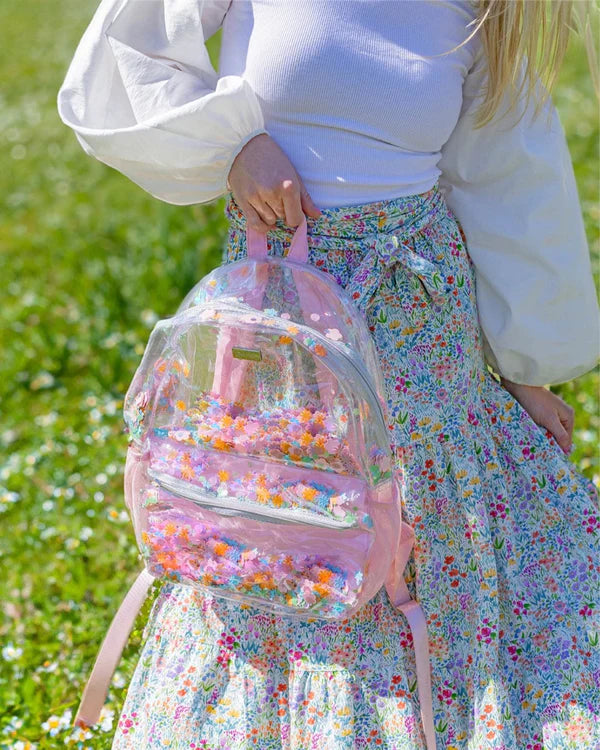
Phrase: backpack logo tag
(240, 353)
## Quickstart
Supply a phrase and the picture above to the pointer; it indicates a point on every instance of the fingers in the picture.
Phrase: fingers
(567, 419)
(253, 218)
(546, 409)
(275, 202)
(308, 205)
(262, 213)
(266, 186)
(263, 216)
(268, 208)
(266, 213)
(291, 201)
(554, 424)
(298, 202)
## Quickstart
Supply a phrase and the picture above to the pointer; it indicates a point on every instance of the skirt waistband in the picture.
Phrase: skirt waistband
(407, 213)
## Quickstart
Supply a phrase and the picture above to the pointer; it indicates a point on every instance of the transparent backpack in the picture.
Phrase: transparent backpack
(259, 467)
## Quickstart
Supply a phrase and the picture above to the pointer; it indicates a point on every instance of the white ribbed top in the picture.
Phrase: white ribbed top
(347, 90)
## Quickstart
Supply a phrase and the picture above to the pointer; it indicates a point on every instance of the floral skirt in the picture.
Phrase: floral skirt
(506, 563)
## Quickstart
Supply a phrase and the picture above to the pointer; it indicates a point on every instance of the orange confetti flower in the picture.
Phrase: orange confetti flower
(324, 576)
(262, 494)
(221, 445)
(187, 472)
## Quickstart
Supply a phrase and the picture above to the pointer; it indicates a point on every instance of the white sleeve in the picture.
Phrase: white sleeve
(513, 190)
(143, 97)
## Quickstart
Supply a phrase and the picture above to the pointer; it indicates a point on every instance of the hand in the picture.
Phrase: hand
(266, 186)
(546, 409)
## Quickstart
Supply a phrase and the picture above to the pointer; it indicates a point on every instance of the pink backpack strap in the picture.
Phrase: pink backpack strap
(110, 652)
(256, 243)
(229, 373)
(227, 379)
(412, 610)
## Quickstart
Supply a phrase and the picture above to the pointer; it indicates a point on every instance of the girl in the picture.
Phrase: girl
(371, 116)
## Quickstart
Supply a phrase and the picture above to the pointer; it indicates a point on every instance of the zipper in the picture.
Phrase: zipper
(348, 355)
(222, 504)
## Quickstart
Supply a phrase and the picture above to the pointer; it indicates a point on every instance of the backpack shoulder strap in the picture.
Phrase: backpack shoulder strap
(110, 652)
(401, 599)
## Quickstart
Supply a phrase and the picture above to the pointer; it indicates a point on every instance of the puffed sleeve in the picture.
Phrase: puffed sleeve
(143, 97)
(512, 187)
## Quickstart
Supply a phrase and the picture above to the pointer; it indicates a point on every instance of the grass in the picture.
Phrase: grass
(89, 263)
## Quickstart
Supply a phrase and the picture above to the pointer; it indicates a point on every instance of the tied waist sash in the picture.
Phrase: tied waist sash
(396, 247)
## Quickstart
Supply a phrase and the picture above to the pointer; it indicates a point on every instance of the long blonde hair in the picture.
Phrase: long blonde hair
(512, 33)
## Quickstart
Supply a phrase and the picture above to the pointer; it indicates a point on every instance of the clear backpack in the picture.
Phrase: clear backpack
(259, 466)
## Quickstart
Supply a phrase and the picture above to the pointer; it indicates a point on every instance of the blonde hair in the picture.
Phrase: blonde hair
(512, 32)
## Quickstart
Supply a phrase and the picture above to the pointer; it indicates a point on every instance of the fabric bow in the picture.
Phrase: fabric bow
(387, 252)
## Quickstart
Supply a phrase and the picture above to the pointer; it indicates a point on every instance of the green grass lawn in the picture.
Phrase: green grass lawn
(89, 263)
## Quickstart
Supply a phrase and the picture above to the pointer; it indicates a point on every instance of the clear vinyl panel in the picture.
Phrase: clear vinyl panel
(299, 293)
(246, 383)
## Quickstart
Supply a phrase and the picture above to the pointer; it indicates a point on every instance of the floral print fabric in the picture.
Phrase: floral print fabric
(506, 562)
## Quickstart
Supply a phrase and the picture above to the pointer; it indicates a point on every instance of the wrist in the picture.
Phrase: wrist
(510, 385)
(237, 150)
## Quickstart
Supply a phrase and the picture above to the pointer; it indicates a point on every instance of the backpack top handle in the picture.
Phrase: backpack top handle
(256, 243)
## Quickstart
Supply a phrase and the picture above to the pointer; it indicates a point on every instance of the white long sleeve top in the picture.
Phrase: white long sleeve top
(360, 98)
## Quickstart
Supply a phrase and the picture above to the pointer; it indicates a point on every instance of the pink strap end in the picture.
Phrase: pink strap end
(412, 610)
(256, 243)
(299, 245)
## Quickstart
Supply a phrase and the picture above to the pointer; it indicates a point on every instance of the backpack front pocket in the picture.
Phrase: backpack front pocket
(241, 550)
(323, 497)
